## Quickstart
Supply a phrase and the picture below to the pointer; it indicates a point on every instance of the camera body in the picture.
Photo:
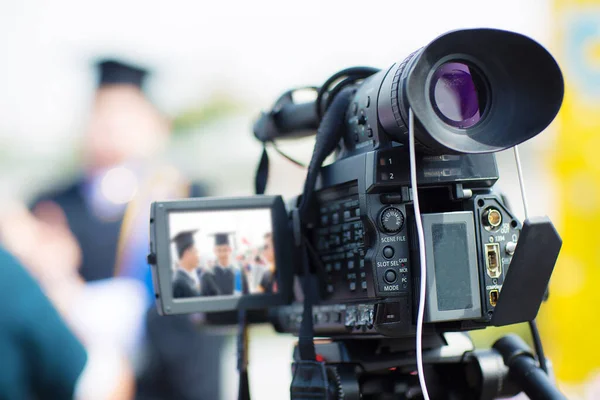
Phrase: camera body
(362, 227)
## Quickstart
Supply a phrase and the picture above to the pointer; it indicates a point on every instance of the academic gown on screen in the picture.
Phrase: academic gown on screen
(223, 282)
(184, 285)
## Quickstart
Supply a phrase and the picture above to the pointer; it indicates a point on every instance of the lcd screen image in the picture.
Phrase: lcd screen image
(222, 253)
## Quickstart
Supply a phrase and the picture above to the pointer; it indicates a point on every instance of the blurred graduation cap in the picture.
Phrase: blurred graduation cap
(117, 72)
(183, 241)
(222, 238)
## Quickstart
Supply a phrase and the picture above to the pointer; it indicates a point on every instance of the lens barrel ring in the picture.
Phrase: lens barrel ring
(395, 96)
(398, 105)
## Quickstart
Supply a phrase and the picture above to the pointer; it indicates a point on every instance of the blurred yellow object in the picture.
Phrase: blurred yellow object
(570, 321)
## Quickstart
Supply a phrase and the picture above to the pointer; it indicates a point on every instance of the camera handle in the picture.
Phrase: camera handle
(284, 121)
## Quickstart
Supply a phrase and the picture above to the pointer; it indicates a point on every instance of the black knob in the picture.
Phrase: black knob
(392, 220)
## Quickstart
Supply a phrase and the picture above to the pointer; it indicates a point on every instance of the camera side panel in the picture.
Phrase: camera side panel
(453, 287)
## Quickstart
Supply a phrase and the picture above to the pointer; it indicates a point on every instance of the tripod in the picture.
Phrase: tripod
(385, 369)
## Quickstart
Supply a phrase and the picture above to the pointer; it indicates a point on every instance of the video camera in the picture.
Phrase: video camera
(352, 233)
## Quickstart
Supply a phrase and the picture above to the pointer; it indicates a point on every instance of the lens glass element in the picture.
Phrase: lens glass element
(458, 94)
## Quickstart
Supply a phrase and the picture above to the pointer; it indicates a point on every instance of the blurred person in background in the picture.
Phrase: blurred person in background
(106, 209)
(123, 130)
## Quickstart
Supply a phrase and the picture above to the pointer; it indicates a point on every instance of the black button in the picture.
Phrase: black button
(390, 198)
(364, 285)
(354, 108)
(368, 103)
(351, 264)
(389, 313)
(352, 286)
(370, 132)
(362, 120)
(335, 218)
(390, 276)
(347, 237)
(388, 252)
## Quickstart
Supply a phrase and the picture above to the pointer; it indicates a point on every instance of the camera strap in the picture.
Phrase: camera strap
(328, 136)
(262, 172)
(310, 376)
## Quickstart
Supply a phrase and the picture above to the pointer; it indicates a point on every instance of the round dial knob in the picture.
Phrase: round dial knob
(392, 220)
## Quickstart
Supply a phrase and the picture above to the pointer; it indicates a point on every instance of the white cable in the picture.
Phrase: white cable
(421, 236)
(521, 181)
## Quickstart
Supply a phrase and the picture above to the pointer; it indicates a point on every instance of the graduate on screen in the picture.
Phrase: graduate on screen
(268, 281)
(225, 279)
(185, 279)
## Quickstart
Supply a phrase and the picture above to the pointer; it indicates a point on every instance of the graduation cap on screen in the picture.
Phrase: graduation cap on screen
(183, 241)
(116, 72)
(222, 238)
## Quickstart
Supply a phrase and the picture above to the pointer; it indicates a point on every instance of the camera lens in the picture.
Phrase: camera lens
(472, 91)
(458, 94)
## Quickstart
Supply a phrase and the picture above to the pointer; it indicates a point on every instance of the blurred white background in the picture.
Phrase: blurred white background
(246, 227)
(252, 51)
